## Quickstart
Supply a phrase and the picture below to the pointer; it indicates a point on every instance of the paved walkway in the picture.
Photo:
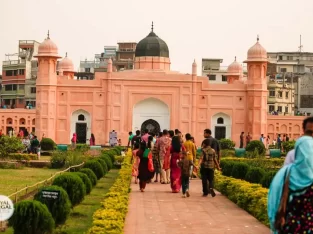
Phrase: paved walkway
(159, 211)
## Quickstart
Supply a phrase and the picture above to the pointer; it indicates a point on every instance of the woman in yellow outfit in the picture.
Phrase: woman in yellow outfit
(191, 150)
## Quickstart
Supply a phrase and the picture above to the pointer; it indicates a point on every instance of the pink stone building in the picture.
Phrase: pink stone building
(152, 97)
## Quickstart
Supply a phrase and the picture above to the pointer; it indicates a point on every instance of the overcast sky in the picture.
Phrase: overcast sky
(192, 29)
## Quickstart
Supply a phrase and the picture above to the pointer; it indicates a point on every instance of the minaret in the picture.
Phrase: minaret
(108, 100)
(46, 85)
(257, 91)
(194, 98)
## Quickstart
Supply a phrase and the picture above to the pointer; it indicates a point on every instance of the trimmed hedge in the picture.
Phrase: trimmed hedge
(31, 217)
(250, 197)
(60, 208)
(73, 185)
(96, 167)
(265, 163)
(251, 170)
(108, 161)
(91, 175)
(19, 156)
(86, 181)
(226, 144)
(111, 217)
(104, 165)
(47, 144)
(256, 145)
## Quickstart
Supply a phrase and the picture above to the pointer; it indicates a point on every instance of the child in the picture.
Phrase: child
(136, 161)
(185, 165)
(208, 163)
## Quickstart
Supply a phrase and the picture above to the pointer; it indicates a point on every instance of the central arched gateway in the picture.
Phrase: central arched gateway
(151, 113)
(152, 126)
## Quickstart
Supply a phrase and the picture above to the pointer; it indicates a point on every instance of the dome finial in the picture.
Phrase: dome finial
(66, 55)
(258, 38)
(235, 58)
(48, 35)
(152, 27)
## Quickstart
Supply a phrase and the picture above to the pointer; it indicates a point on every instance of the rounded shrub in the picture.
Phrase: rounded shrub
(73, 185)
(47, 144)
(227, 167)
(110, 154)
(96, 167)
(91, 175)
(240, 170)
(103, 164)
(108, 161)
(86, 181)
(255, 175)
(226, 144)
(267, 179)
(31, 217)
(256, 145)
(59, 208)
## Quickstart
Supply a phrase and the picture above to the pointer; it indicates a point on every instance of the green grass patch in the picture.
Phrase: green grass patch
(80, 219)
(12, 179)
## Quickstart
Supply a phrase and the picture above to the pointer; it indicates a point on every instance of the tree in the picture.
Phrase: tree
(10, 145)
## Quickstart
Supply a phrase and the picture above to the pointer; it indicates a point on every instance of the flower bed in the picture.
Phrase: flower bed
(248, 196)
(19, 156)
(111, 217)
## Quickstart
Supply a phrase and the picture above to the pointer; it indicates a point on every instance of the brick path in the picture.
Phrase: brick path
(159, 211)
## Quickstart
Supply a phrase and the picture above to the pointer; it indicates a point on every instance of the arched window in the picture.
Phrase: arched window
(81, 117)
(220, 120)
(9, 121)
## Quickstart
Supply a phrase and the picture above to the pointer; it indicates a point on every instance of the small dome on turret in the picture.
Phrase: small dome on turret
(234, 67)
(66, 65)
(48, 48)
(257, 52)
(152, 45)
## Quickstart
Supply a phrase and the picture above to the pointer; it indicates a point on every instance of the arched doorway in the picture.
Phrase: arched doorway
(81, 125)
(221, 126)
(149, 110)
(152, 125)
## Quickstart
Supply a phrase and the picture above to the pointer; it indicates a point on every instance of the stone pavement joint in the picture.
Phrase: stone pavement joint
(158, 211)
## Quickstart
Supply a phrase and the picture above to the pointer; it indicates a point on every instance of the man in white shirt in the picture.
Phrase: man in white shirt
(307, 126)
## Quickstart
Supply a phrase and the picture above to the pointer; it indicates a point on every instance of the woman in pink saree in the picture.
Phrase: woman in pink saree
(136, 161)
(176, 151)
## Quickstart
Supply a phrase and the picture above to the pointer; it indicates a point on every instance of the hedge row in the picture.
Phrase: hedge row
(19, 156)
(111, 217)
(250, 197)
(41, 215)
(248, 172)
(265, 163)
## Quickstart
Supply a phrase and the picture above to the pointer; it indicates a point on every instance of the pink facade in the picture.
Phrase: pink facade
(151, 96)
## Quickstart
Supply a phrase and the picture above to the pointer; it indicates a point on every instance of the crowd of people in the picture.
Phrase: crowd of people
(170, 158)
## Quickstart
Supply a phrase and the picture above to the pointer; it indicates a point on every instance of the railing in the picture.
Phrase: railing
(127, 50)
(12, 62)
(28, 190)
(26, 41)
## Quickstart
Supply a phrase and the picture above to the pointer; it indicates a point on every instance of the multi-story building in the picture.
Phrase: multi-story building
(99, 62)
(293, 71)
(125, 56)
(211, 68)
(19, 77)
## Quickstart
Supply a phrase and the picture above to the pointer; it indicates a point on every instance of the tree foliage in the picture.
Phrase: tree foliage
(10, 145)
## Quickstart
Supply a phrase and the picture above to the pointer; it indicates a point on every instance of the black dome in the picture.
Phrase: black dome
(152, 45)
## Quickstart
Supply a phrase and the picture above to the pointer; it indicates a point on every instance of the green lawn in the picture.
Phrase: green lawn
(12, 179)
(80, 219)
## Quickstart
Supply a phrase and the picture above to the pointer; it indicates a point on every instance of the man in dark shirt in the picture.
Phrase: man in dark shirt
(214, 143)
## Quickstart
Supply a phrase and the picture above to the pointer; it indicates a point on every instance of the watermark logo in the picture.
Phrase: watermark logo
(6, 208)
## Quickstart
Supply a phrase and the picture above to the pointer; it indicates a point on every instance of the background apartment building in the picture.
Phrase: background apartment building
(211, 68)
(19, 73)
(290, 82)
